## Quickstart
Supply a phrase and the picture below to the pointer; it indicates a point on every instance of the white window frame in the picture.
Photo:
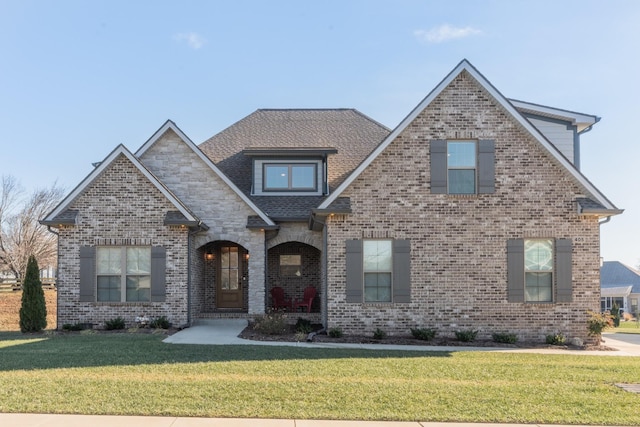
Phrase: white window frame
(474, 168)
(123, 274)
(532, 271)
(377, 271)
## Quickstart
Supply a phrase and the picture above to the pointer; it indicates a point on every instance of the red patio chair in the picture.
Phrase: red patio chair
(279, 300)
(307, 299)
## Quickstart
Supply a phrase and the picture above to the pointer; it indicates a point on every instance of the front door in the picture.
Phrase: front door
(229, 283)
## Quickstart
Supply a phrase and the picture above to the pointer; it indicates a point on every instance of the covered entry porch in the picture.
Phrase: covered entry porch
(294, 281)
(223, 282)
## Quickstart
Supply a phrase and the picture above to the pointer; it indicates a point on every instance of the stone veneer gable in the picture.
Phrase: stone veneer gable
(215, 203)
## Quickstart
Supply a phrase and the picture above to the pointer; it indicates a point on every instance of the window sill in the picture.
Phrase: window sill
(121, 303)
(463, 196)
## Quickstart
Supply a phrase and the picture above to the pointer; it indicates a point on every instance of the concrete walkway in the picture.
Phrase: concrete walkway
(55, 420)
(226, 331)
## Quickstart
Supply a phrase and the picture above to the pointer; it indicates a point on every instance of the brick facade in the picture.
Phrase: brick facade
(121, 208)
(458, 243)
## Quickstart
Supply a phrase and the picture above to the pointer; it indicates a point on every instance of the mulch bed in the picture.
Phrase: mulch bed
(290, 336)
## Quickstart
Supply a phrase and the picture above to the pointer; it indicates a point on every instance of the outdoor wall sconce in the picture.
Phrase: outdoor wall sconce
(246, 256)
(209, 256)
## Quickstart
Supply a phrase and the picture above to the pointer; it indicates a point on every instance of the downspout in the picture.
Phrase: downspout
(57, 270)
(325, 314)
(606, 220)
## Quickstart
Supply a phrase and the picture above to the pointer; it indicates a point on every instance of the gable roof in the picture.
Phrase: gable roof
(615, 274)
(345, 135)
(61, 214)
(169, 125)
(465, 66)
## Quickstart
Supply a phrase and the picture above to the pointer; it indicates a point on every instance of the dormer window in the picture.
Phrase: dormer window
(290, 176)
(289, 171)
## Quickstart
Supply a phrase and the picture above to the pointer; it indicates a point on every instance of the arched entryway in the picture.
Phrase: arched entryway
(225, 277)
(294, 266)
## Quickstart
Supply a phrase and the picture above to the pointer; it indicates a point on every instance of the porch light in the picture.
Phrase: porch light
(246, 256)
(209, 256)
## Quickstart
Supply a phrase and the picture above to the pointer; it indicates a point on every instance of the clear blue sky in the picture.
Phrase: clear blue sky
(79, 77)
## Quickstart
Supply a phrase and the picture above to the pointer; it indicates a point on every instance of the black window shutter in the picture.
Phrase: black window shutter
(87, 273)
(564, 289)
(486, 166)
(355, 275)
(158, 274)
(438, 154)
(401, 271)
(515, 270)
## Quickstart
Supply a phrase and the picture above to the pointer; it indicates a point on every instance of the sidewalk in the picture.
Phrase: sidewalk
(46, 420)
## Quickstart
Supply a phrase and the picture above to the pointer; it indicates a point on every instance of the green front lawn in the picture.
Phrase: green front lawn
(138, 374)
(631, 327)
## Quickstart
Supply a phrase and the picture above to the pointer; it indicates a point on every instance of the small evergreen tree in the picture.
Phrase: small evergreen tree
(33, 312)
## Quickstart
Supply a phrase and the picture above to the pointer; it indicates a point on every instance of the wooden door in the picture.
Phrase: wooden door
(229, 283)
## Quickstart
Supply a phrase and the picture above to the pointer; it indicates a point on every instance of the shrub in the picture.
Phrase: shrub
(160, 323)
(556, 339)
(273, 323)
(505, 338)
(598, 322)
(114, 324)
(424, 334)
(615, 313)
(33, 311)
(304, 326)
(379, 334)
(335, 332)
(300, 336)
(74, 326)
(466, 335)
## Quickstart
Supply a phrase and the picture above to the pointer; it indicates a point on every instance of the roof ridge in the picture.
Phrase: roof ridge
(307, 109)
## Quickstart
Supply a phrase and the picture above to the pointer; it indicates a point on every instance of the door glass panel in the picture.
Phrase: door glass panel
(229, 263)
(233, 280)
(224, 280)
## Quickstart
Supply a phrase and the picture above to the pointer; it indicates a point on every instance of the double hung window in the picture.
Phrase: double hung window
(378, 269)
(123, 273)
(461, 167)
(538, 270)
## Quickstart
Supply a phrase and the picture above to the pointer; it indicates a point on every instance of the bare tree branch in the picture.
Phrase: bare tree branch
(21, 235)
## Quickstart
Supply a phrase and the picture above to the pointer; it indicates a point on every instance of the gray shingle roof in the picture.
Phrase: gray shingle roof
(351, 133)
(66, 217)
(616, 274)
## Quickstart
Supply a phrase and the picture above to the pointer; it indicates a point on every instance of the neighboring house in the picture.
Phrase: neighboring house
(619, 284)
(471, 214)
